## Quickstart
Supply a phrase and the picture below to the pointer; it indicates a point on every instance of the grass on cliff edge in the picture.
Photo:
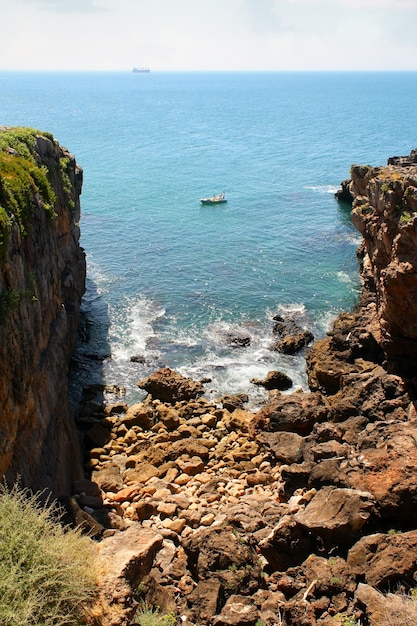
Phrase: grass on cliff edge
(47, 573)
(21, 181)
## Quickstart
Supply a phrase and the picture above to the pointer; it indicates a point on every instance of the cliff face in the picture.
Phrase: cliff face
(42, 280)
(385, 212)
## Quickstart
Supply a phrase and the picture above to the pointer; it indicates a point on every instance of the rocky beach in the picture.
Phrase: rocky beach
(301, 513)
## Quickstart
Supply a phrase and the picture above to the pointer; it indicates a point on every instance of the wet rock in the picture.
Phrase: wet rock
(344, 194)
(230, 403)
(138, 358)
(291, 338)
(238, 340)
(274, 380)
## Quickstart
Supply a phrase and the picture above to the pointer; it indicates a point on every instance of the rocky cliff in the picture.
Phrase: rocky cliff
(385, 212)
(42, 280)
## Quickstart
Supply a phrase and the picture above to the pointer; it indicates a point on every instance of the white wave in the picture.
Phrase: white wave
(322, 188)
(290, 310)
(230, 369)
(344, 277)
(135, 331)
(353, 238)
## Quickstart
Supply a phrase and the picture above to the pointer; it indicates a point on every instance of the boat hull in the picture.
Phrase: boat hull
(210, 201)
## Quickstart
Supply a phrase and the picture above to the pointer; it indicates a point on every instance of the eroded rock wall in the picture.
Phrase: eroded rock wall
(385, 213)
(42, 280)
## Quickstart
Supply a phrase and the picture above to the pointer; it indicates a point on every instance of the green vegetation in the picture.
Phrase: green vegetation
(22, 182)
(66, 181)
(151, 616)
(346, 619)
(47, 573)
(21, 140)
(406, 217)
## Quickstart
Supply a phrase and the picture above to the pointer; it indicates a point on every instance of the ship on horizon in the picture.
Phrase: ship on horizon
(141, 70)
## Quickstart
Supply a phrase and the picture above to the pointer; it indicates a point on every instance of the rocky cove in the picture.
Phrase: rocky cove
(302, 513)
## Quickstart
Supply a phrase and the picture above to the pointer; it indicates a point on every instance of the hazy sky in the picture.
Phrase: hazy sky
(208, 34)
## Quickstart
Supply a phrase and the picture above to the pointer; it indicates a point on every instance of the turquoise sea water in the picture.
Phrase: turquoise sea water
(168, 278)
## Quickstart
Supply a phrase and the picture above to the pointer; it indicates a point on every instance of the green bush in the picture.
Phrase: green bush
(47, 572)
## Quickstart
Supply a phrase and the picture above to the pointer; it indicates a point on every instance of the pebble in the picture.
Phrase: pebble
(207, 519)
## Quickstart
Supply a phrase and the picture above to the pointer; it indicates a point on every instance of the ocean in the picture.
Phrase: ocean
(170, 281)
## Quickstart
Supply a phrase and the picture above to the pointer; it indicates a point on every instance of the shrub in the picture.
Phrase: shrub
(406, 217)
(151, 616)
(47, 572)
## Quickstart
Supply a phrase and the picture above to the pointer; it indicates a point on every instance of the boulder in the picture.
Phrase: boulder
(170, 387)
(238, 611)
(336, 515)
(230, 403)
(285, 447)
(219, 553)
(139, 414)
(287, 545)
(385, 560)
(291, 337)
(128, 557)
(204, 600)
(274, 380)
(386, 609)
(108, 478)
(296, 413)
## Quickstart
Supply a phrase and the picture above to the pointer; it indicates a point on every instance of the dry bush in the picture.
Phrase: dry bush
(47, 572)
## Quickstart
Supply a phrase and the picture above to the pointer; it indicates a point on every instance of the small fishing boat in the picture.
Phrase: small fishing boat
(216, 199)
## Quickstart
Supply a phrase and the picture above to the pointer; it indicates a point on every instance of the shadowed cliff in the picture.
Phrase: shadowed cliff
(42, 280)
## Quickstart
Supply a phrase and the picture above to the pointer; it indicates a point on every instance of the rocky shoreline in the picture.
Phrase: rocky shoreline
(303, 513)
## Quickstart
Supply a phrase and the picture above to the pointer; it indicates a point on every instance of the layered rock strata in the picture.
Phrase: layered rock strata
(42, 280)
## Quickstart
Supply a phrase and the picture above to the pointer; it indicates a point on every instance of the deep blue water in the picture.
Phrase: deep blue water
(169, 278)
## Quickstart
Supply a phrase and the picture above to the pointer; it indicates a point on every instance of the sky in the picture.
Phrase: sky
(208, 35)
